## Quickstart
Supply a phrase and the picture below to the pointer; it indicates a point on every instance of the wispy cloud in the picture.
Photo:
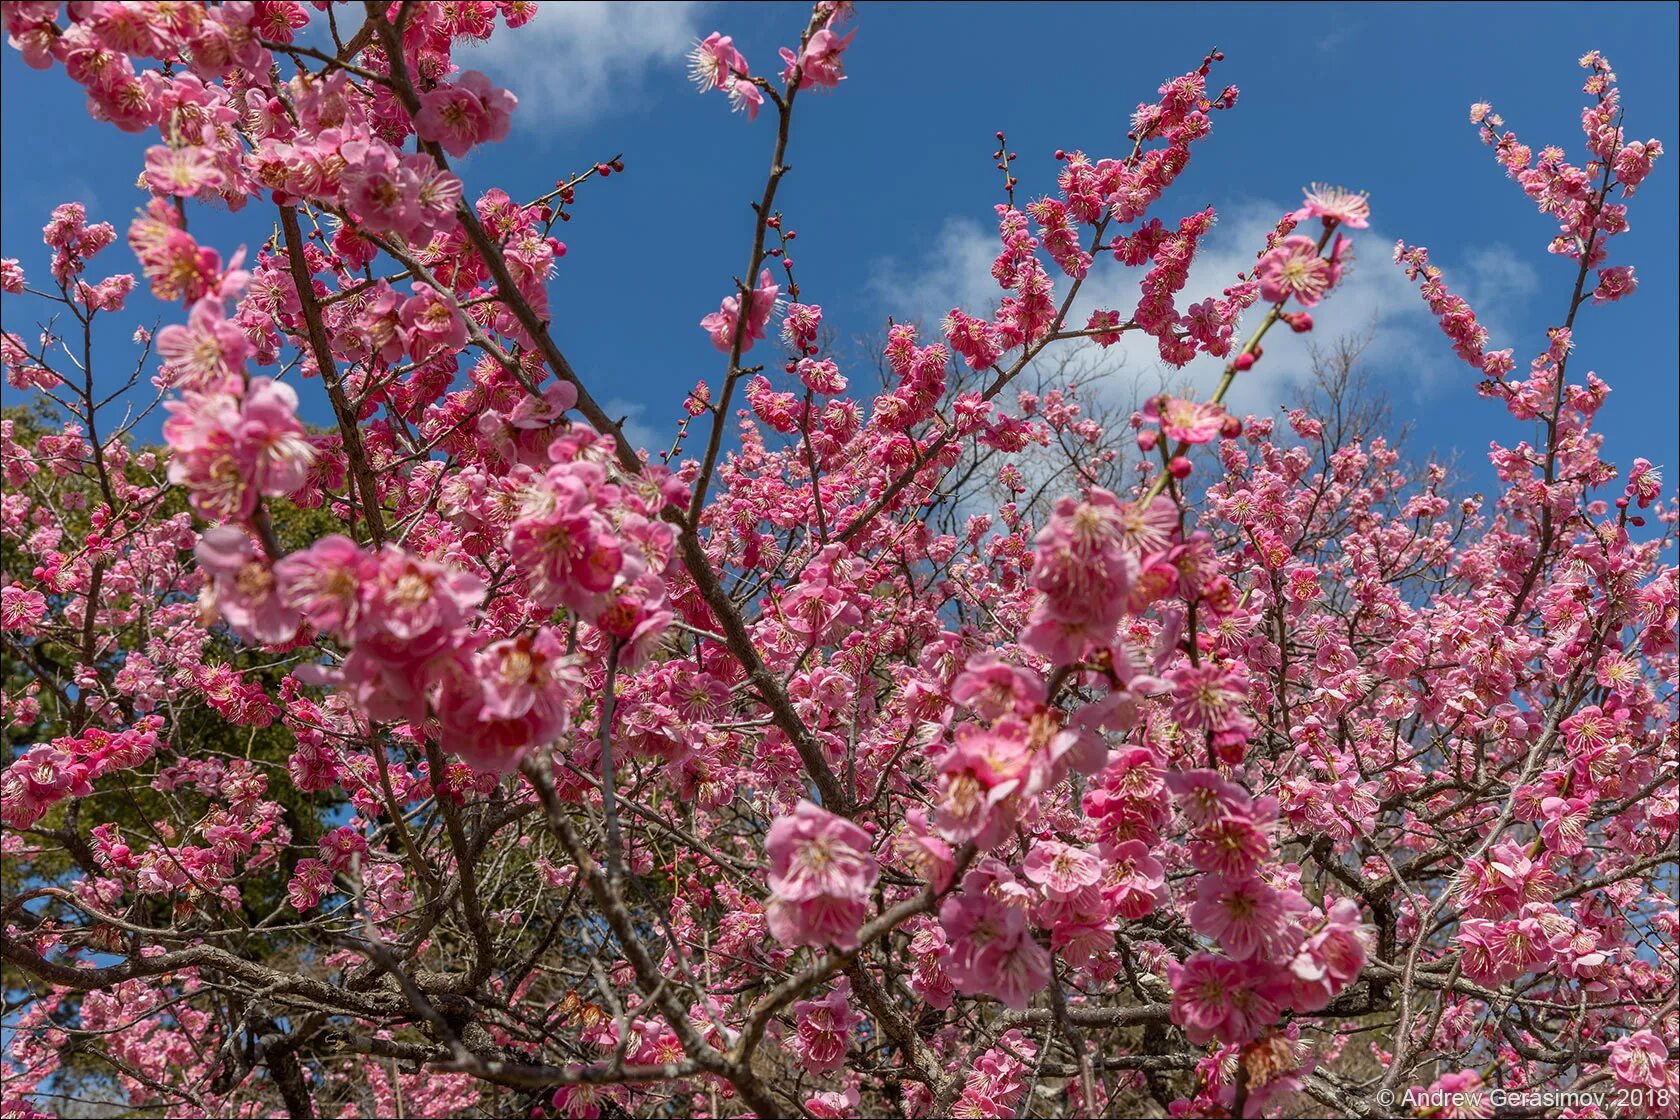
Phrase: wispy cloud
(1374, 297)
(956, 272)
(1332, 40)
(1497, 282)
(579, 59)
(636, 430)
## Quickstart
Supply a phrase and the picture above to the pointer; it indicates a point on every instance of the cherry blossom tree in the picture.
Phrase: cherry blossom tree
(464, 758)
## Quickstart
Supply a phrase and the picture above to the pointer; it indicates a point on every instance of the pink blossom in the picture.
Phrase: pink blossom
(1208, 798)
(38, 779)
(341, 845)
(461, 116)
(207, 350)
(1084, 566)
(1640, 1061)
(230, 450)
(1248, 918)
(831, 1105)
(984, 771)
(1330, 958)
(1614, 283)
(819, 63)
(1218, 999)
(183, 172)
(380, 190)
(928, 855)
(566, 548)
(993, 688)
(1336, 205)
(1234, 847)
(1134, 880)
(1184, 420)
(1565, 827)
(1061, 868)
(243, 588)
(824, 1028)
(1294, 269)
(431, 324)
(714, 63)
(323, 582)
(1073, 728)
(991, 950)
(1494, 952)
(724, 323)
(821, 873)
(517, 694)
(1213, 697)
(310, 880)
(410, 629)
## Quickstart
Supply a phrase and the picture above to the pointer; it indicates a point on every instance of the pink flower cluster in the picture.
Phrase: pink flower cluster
(415, 654)
(1085, 564)
(1108, 759)
(234, 443)
(1294, 270)
(1458, 319)
(824, 1027)
(714, 63)
(48, 773)
(1278, 953)
(819, 62)
(594, 547)
(992, 950)
(461, 116)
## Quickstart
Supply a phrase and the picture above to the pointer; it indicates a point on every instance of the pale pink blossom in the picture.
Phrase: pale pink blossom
(1294, 269)
(821, 874)
(243, 588)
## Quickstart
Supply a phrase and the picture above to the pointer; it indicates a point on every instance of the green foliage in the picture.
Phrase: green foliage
(191, 725)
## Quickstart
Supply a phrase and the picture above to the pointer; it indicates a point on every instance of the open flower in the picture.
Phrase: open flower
(465, 114)
(243, 588)
(723, 323)
(1294, 270)
(821, 874)
(1336, 204)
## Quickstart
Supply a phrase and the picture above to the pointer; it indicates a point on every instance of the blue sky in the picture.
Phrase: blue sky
(892, 184)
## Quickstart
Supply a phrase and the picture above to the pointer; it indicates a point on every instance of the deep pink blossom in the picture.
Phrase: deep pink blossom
(465, 114)
(724, 324)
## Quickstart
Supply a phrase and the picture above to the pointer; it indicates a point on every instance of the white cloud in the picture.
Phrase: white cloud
(956, 273)
(1331, 41)
(1373, 298)
(636, 430)
(1497, 282)
(579, 57)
